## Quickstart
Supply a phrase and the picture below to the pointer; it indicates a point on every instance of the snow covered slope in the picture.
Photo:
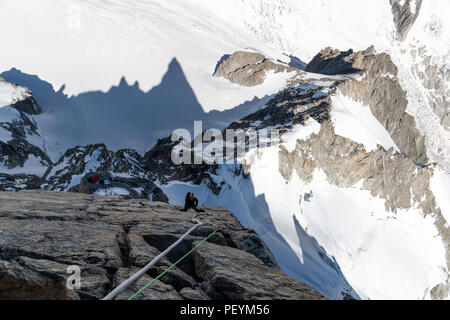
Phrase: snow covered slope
(21, 144)
(353, 120)
(10, 94)
(371, 237)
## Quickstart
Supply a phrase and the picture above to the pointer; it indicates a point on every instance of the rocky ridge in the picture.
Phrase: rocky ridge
(380, 89)
(405, 14)
(249, 68)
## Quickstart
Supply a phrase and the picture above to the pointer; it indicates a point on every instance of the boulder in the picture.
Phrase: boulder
(331, 62)
(249, 68)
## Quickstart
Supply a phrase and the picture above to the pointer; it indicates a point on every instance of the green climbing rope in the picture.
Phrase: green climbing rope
(173, 265)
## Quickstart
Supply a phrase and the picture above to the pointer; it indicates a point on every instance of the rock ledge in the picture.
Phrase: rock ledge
(42, 233)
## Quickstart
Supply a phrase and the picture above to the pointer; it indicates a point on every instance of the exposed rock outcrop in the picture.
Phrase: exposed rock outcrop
(42, 233)
(16, 153)
(405, 13)
(28, 105)
(249, 68)
(159, 163)
(346, 163)
(80, 161)
(379, 88)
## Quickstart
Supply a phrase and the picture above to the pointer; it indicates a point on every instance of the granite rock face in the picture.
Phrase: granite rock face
(232, 273)
(332, 61)
(44, 233)
(405, 14)
(435, 79)
(249, 68)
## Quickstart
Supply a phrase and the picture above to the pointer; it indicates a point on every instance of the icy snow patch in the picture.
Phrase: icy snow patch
(383, 255)
(300, 132)
(440, 186)
(355, 121)
(10, 93)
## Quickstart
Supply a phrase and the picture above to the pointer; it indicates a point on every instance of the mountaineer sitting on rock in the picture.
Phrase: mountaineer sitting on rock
(191, 202)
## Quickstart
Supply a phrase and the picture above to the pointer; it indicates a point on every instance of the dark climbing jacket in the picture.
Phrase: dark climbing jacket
(191, 203)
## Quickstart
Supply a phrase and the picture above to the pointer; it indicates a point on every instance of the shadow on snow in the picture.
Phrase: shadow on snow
(125, 116)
